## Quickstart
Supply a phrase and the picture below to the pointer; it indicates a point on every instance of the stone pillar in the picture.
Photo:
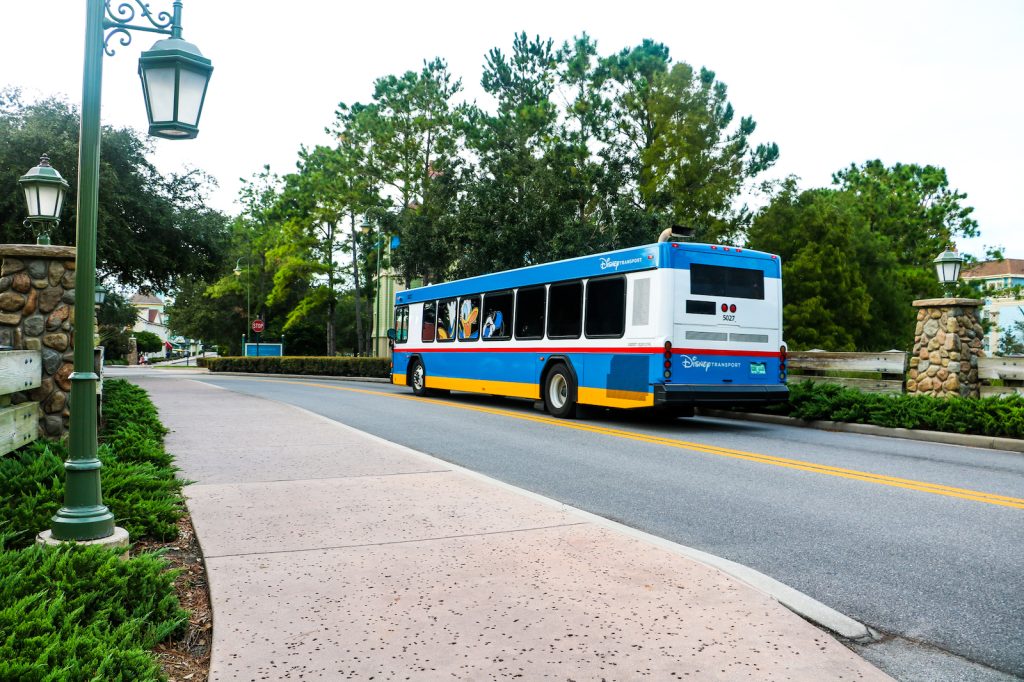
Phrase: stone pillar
(947, 345)
(37, 297)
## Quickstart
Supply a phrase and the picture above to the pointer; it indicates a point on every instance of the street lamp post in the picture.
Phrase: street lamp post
(174, 77)
(376, 306)
(238, 273)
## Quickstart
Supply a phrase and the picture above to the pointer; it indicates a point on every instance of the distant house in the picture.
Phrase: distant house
(151, 316)
(1001, 283)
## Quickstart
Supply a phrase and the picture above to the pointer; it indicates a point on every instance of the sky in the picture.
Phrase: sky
(833, 84)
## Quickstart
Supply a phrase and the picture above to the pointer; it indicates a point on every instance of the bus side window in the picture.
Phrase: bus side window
(497, 316)
(447, 316)
(429, 321)
(606, 307)
(469, 318)
(529, 314)
(565, 318)
(401, 324)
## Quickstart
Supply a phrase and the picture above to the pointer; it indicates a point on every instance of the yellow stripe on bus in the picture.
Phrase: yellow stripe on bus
(398, 379)
(511, 389)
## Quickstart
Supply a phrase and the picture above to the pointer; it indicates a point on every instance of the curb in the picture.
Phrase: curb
(803, 605)
(967, 440)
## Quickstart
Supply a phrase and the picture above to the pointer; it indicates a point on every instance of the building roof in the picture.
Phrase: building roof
(996, 268)
(145, 299)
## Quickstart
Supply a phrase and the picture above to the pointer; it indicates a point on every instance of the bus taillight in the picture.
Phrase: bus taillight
(732, 308)
(668, 346)
(725, 307)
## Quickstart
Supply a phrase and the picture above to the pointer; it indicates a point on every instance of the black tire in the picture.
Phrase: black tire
(560, 392)
(418, 378)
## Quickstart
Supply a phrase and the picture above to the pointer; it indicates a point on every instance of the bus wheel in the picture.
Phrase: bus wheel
(418, 378)
(560, 392)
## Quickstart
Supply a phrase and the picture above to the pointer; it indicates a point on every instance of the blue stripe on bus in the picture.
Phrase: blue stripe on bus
(669, 254)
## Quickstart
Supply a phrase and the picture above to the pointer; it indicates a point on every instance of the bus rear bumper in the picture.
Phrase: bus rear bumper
(722, 395)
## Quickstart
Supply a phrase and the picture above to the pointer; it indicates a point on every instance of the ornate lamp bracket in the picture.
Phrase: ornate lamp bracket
(118, 20)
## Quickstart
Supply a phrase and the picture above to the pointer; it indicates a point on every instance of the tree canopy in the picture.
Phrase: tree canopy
(153, 228)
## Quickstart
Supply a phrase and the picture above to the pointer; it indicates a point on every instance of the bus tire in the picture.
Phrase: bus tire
(418, 378)
(560, 392)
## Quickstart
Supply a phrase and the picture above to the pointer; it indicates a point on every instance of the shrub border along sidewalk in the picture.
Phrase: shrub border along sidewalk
(82, 613)
(996, 416)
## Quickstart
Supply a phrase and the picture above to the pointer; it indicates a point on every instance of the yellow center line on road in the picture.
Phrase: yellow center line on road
(852, 474)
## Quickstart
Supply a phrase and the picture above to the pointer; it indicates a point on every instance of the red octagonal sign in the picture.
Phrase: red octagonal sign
(258, 326)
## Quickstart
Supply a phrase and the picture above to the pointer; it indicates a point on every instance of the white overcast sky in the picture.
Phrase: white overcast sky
(833, 83)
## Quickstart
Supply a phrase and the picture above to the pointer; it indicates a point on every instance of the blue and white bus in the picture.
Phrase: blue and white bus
(670, 325)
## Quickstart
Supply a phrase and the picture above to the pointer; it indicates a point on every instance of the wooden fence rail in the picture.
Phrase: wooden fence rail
(813, 365)
(891, 370)
(20, 371)
(1009, 371)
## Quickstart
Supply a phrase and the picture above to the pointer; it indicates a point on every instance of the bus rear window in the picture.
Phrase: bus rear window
(720, 280)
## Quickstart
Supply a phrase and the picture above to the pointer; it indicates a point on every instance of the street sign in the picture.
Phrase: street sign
(258, 326)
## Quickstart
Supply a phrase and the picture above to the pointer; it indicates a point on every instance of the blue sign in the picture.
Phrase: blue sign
(264, 350)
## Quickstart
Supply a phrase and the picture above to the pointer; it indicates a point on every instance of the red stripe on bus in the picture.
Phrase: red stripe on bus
(651, 350)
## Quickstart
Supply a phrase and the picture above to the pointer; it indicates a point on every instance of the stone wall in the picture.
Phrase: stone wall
(947, 345)
(37, 296)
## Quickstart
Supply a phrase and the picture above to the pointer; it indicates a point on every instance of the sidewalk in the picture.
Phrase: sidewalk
(332, 554)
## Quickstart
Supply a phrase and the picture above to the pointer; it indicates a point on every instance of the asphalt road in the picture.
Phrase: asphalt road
(938, 570)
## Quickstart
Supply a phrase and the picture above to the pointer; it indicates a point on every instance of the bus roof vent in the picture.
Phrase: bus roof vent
(676, 233)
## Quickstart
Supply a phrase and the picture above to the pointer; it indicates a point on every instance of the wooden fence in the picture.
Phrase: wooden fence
(20, 371)
(886, 372)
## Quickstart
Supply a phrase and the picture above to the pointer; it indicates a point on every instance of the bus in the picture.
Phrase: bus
(672, 325)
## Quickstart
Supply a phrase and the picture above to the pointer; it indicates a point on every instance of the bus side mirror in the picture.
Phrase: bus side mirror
(392, 334)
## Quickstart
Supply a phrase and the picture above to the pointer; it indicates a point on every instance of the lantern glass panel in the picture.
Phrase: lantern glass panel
(192, 86)
(160, 92)
(31, 201)
(49, 200)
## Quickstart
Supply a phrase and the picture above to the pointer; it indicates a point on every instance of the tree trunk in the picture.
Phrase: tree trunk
(359, 298)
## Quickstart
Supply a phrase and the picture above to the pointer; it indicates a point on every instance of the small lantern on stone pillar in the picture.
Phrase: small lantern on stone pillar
(947, 267)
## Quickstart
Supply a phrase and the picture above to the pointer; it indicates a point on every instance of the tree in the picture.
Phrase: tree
(683, 159)
(148, 342)
(1011, 338)
(896, 220)
(152, 228)
(818, 234)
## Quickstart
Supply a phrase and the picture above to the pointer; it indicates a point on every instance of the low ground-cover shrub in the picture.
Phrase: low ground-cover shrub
(138, 478)
(991, 416)
(81, 613)
(330, 366)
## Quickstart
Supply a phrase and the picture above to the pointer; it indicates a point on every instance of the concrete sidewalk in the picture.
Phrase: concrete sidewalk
(332, 554)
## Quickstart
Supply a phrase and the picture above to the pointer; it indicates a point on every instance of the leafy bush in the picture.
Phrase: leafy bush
(139, 483)
(81, 613)
(148, 342)
(991, 416)
(330, 366)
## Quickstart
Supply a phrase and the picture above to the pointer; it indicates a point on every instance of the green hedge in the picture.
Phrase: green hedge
(336, 366)
(81, 613)
(992, 416)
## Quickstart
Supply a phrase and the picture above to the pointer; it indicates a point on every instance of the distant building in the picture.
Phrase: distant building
(1001, 284)
(151, 316)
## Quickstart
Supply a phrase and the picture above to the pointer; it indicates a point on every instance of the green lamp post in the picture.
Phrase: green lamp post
(174, 78)
(44, 197)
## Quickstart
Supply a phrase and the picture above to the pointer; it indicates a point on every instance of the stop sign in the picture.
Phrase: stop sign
(258, 326)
